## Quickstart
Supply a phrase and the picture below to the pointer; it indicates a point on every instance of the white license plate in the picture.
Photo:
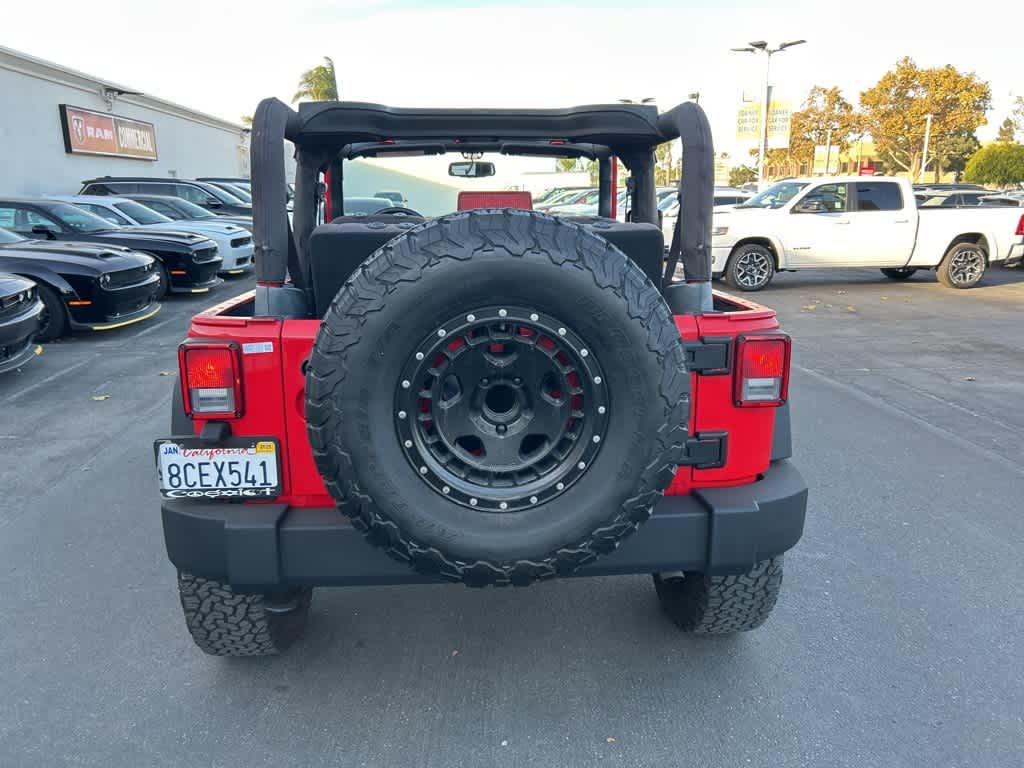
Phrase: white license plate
(242, 468)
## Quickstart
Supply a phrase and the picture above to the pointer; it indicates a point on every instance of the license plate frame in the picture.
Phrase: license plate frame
(257, 459)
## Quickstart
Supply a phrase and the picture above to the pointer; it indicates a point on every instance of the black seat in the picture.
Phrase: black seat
(337, 249)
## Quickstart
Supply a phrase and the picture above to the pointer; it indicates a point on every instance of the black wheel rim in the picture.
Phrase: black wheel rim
(501, 408)
(966, 266)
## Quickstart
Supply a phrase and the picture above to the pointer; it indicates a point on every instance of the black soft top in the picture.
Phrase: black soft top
(619, 126)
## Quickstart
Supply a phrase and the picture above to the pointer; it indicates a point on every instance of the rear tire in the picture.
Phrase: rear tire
(963, 266)
(899, 274)
(55, 315)
(721, 605)
(750, 267)
(223, 623)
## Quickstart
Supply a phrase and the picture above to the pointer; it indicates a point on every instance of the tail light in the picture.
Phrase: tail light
(211, 379)
(762, 370)
(1020, 226)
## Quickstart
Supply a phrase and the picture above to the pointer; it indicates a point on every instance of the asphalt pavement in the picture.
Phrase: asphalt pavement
(897, 640)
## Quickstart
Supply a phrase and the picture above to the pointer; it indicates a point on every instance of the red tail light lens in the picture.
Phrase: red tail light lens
(762, 370)
(211, 379)
(1020, 226)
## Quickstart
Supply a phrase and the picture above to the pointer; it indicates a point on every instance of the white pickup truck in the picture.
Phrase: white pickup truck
(860, 222)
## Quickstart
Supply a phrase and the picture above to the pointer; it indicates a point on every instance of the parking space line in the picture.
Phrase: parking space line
(923, 423)
(153, 327)
(47, 380)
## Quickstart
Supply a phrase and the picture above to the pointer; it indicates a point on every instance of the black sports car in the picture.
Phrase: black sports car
(180, 209)
(20, 319)
(83, 286)
(186, 262)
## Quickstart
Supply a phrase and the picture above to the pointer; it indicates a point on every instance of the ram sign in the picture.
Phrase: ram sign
(95, 133)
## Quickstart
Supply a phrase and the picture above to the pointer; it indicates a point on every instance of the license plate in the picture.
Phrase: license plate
(241, 468)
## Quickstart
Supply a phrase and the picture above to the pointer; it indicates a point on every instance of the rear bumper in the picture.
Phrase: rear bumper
(259, 546)
(1016, 255)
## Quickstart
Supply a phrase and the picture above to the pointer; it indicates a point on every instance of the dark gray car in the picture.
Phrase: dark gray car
(209, 196)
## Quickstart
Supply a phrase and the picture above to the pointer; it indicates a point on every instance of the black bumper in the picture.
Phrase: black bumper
(199, 276)
(257, 546)
(16, 337)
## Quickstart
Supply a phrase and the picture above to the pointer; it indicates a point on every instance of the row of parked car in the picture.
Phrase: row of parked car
(106, 257)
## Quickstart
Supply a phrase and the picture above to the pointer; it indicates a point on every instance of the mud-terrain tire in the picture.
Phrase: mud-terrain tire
(225, 623)
(721, 605)
(443, 297)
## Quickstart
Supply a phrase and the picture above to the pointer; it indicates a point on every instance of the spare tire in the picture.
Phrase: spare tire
(497, 397)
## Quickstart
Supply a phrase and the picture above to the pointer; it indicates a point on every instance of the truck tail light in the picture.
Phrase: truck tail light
(211, 379)
(1020, 226)
(762, 370)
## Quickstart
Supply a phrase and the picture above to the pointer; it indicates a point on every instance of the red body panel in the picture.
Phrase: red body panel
(272, 378)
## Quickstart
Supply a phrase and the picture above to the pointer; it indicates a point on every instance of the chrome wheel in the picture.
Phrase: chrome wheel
(966, 266)
(752, 268)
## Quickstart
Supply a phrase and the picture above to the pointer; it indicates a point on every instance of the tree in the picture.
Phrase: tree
(894, 110)
(566, 164)
(318, 83)
(1017, 114)
(664, 169)
(742, 174)
(951, 152)
(1007, 130)
(247, 121)
(999, 163)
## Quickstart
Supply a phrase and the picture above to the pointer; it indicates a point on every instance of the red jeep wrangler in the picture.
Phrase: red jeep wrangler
(491, 397)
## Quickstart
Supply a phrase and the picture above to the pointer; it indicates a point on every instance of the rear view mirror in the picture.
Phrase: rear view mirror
(44, 229)
(471, 169)
(213, 202)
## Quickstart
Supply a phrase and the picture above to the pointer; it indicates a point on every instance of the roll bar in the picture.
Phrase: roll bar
(631, 132)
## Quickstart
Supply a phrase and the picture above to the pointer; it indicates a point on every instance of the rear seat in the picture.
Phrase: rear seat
(337, 249)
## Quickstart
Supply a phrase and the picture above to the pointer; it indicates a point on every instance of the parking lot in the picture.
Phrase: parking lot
(897, 641)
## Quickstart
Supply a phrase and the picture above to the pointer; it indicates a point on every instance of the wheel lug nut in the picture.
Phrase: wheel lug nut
(533, 499)
(470, 318)
(472, 502)
(561, 331)
(597, 379)
(442, 332)
(535, 317)
(584, 353)
(485, 382)
(408, 443)
(582, 465)
(601, 409)
(502, 313)
(517, 381)
(597, 438)
(503, 505)
(419, 355)
(402, 414)
(406, 384)
(560, 486)
(446, 489)
(423, 470)
(502, 429)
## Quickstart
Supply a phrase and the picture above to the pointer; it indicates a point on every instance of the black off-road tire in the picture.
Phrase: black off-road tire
(721, 605)
(55, 315)
(899, 274)
(750, 267)
(224, 623)
(963, 266)
(413, 286)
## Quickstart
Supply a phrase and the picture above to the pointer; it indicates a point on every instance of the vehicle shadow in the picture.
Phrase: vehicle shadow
(994, 277)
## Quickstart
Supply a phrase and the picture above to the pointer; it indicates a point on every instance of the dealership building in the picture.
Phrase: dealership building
(61, 126)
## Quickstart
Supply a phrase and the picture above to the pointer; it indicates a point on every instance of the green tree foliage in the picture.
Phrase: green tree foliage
(824, 110)
(566, 164)
(894, 110)
(318, 83)
(1017, 113)
(247, 121)
(951, 152)
(1000, 163)
(665, 171)
(1007, 130)
(742, 174)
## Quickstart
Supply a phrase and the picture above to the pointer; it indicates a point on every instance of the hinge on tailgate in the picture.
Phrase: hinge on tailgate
(710, 356)
(706, 450)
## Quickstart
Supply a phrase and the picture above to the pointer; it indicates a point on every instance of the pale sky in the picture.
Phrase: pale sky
(223, 57)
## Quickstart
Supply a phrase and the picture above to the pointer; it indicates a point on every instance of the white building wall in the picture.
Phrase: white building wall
(32, 156)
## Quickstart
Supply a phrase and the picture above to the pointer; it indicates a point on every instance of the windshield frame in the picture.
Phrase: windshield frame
(61, 211)
(146, 212)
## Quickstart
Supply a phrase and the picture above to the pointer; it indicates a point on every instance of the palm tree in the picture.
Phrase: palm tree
(318, 83)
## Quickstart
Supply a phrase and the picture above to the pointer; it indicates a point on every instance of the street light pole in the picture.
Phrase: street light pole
(761, 46)
(927, 138)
